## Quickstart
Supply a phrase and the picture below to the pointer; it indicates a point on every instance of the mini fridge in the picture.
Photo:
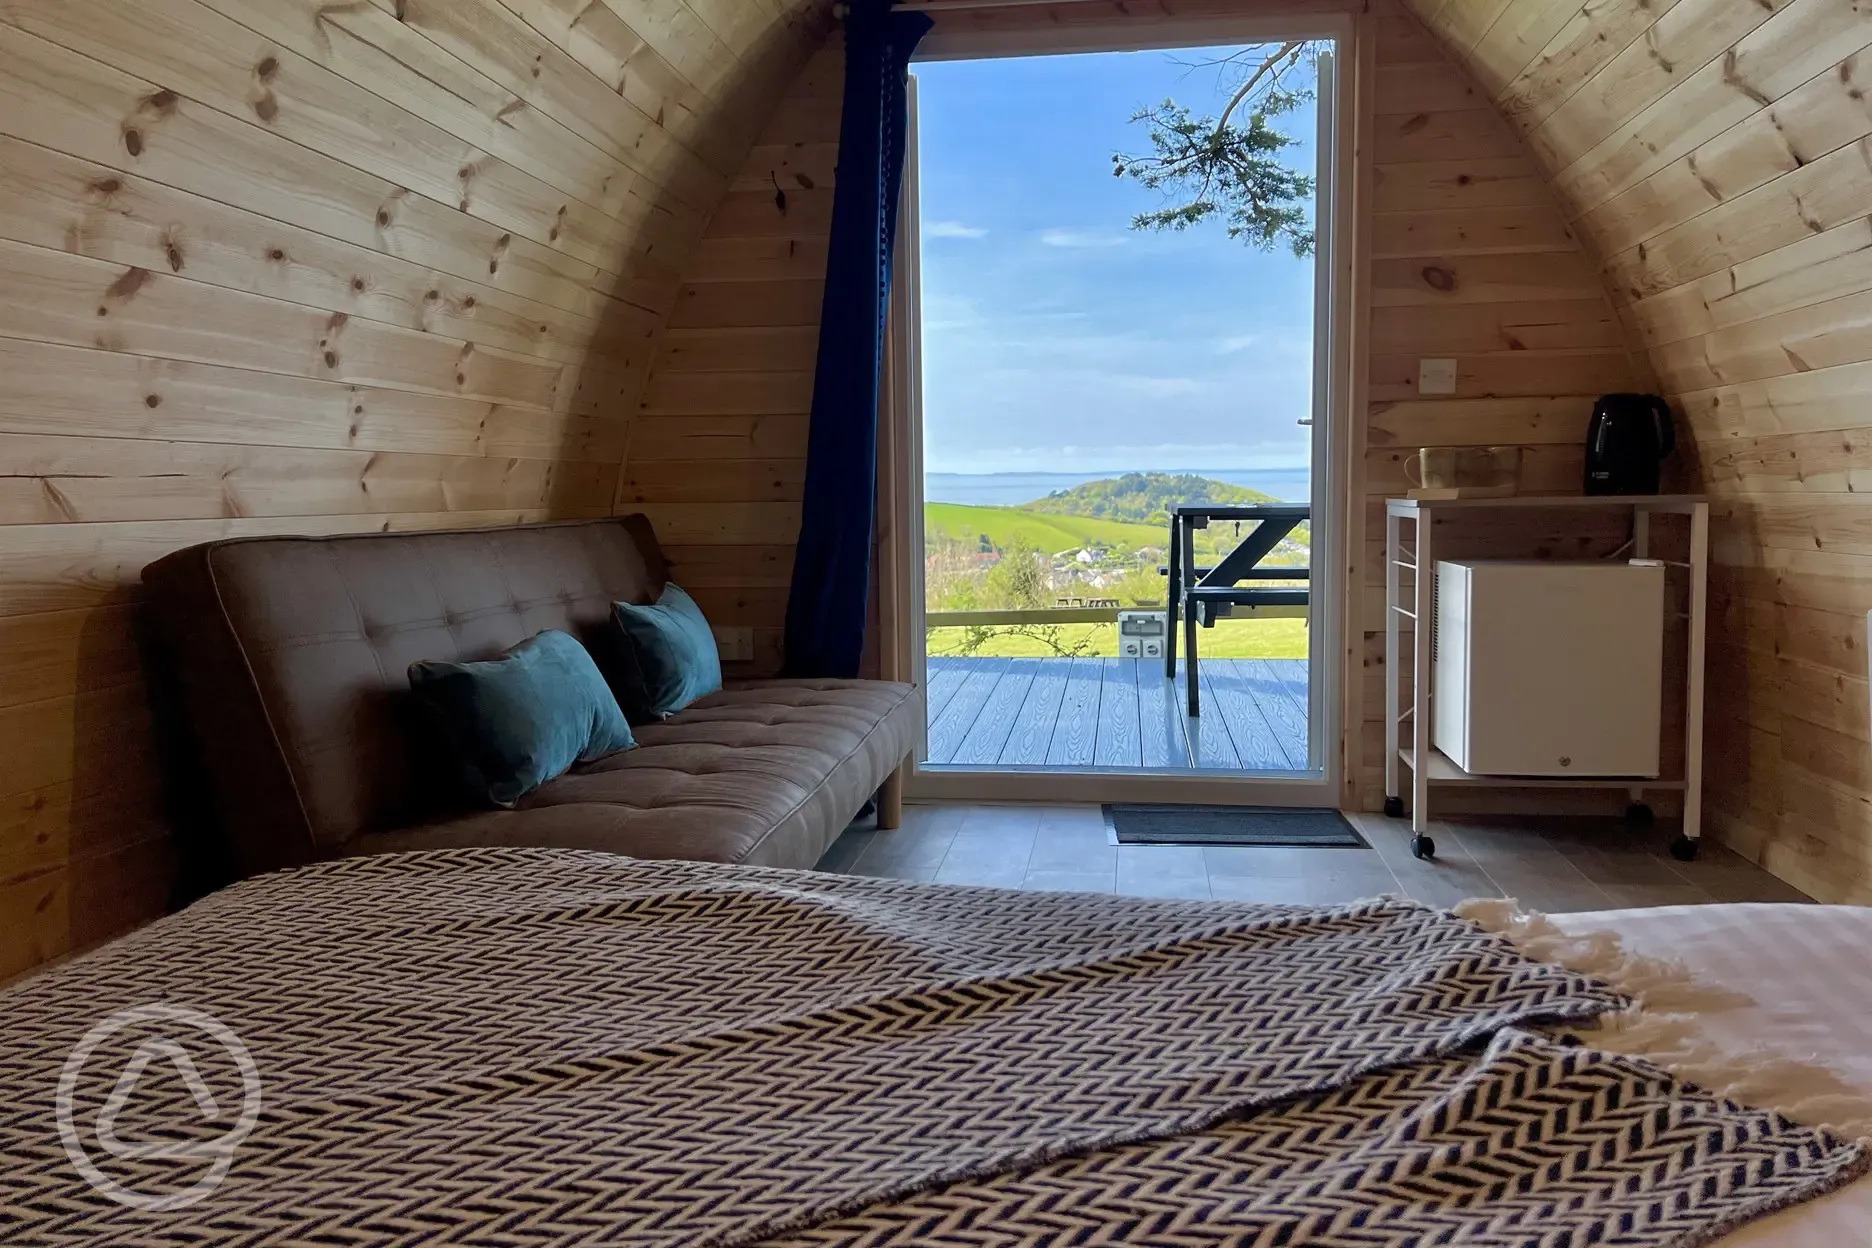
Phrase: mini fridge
(1548, 668)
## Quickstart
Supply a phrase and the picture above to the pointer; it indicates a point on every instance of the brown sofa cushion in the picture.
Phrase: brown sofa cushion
(762, 772)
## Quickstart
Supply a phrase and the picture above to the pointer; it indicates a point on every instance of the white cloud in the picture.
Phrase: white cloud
(1081, 238)
(1238, 342)
(953, 229)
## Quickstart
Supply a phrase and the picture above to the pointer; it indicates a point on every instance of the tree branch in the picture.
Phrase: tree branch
(1286, 50)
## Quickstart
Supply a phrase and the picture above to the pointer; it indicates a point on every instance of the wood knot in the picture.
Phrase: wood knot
(162, 103)
(127, 285)
(1439, 278)
(331, 359)
(469, 303)
(174, 253)
(383, 218)
(1414, 123)
(133, 142)
(152, 400)
(266, 107)
(357, 284)
(267, 68)
(106, 186)
(275, 253)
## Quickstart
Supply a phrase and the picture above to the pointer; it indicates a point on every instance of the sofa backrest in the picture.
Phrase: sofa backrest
(291, 656)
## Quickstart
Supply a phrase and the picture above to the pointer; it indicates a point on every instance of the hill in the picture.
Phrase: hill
(1050, 533)
(1142, 497)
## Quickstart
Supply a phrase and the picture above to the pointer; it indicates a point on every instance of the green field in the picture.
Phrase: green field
(1050, 533)
(1229, 639)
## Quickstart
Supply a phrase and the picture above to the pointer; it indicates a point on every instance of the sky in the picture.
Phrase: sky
(1056, 337)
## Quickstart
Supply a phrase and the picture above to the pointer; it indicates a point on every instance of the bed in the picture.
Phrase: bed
(1801, 987)
(547, 1047)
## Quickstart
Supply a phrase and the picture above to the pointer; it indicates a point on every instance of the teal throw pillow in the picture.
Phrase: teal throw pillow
(668, 657)
(515, 722)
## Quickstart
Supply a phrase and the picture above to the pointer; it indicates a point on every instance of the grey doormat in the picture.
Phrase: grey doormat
(1230, 825)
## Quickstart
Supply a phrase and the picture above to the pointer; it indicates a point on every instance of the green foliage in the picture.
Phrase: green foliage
(1004, 525)
(1142, 498)
(1222, 167)
(1229, 639)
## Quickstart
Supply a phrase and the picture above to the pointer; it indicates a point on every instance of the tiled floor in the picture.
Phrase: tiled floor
(1553, 865)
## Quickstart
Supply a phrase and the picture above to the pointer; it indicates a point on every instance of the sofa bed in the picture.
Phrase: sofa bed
(289, 657)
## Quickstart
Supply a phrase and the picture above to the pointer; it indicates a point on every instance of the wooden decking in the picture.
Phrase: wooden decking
(1117, 713)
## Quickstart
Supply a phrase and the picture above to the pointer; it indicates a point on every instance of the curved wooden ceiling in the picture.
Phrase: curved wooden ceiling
(1717, 155)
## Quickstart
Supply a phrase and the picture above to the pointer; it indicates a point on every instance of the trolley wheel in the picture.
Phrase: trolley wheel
(1394, 807)
(1422, 847)
(1639, 812)
(1683, 849)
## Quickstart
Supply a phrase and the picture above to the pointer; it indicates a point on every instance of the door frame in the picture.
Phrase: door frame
(903, 652)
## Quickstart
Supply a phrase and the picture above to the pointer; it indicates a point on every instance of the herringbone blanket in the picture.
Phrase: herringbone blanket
(536, 1047)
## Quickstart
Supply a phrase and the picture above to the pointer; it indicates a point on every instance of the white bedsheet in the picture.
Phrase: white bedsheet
(1808, 971)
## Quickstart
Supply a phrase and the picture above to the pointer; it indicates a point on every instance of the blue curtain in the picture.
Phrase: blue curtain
(829, 605)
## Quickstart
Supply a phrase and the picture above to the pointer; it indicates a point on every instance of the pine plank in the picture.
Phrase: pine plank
(198, 54)
(53, 480)
(1543, 420)
(65, 390)
(1440, 281)
(722, 524)
(1509, 374)
(53, 296)
(719, 437)
(80, 106)
(64, 567)
(1545, 325)
(1470, 232)
(1819, 117)
(713, 480)
(60, 202)
(1805, 39)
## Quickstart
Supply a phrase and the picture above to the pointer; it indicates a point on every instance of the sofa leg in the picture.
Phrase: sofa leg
(890, 799)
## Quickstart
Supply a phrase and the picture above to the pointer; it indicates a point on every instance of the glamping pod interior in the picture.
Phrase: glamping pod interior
(452, 270)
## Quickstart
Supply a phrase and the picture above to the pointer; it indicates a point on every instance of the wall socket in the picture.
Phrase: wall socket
(1436, 376)
(735, 644)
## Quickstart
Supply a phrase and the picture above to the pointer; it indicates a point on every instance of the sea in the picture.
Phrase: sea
(1007, 489)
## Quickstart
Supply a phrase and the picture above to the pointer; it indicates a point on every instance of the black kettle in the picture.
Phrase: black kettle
(1626, 442)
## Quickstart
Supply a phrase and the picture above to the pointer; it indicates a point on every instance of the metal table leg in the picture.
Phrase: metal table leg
(1173, 592)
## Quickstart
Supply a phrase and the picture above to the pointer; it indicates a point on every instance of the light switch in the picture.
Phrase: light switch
(1436, 376)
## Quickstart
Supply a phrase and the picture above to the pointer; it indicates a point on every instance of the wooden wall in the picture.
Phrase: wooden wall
(1469, 258)
(1717, 155)
(284, 266)
(718, 450)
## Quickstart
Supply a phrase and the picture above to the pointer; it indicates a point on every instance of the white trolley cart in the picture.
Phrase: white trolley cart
(1410, 587)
